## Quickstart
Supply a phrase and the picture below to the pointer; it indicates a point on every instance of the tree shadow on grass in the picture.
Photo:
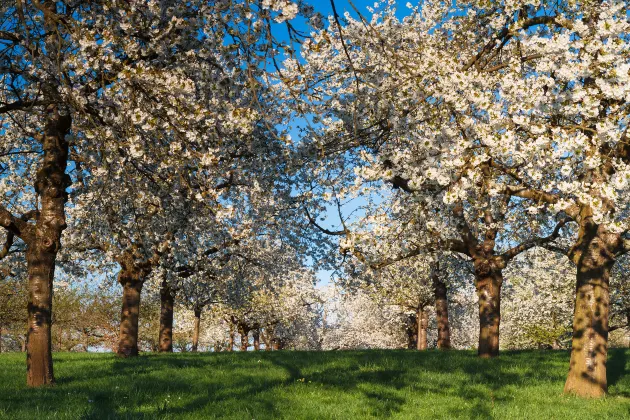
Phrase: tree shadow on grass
(381, 387)
(333, 371)
(616, 369)
(278, 384)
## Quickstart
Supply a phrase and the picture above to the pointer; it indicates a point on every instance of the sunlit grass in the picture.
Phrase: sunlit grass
(349, 385)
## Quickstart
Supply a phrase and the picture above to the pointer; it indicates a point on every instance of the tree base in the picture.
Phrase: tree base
(583, 388)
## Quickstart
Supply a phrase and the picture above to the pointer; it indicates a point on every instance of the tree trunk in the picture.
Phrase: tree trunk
(264, 335)
(43, 245)
(411, 329)
(128, 339)
(231, 340)
(441, 312)
(277, 343)
(244, 333)
(195, 339)
(628, 327)
(489, 294)
(256, 335)
(166, 318)
(589, 347)
(423, 324)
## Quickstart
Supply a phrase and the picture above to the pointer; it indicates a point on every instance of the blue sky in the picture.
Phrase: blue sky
(324, 7)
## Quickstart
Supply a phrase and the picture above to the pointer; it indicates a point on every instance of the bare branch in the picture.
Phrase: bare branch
(323, 229)
(506, 34)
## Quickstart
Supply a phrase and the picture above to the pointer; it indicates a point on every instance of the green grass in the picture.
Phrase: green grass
(310, 385)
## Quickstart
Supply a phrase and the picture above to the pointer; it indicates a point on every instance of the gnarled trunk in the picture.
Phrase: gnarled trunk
(128, 339)
(441, 313)
(489, 294)
(589, 347)
(166, 318)
(423, 324)
(43, 246)
(195, 338)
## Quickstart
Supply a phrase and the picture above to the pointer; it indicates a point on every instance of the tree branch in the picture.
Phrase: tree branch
(7, 245)
(511, 253)
(16, 226)
(323, 229)
(21, 105)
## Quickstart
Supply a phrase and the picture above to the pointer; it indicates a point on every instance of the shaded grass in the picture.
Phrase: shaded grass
(311, 385)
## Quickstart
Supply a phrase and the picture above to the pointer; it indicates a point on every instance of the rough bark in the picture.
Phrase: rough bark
(489, 294)
(593, 254)
(128, 340)
(166, 318)
(42, 248)
(423, 324)
(441, 313)
(195, 338)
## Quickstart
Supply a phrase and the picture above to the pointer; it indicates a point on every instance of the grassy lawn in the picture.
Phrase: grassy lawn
(348, 385)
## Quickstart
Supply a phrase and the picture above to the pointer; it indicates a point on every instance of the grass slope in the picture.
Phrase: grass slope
(297, 385)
